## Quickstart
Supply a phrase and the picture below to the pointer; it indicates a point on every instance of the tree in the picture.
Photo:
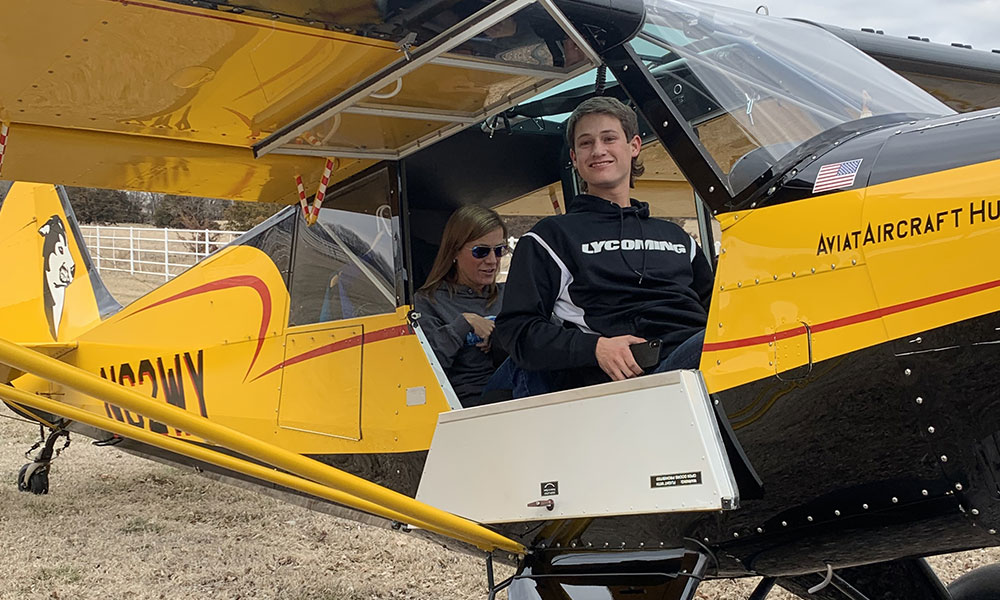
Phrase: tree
(186, 212)
(95, 206)
(147, 203)
(242, 216)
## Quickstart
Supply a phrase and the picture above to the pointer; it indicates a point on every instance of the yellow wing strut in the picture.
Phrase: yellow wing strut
(210, 456)
(352, 491)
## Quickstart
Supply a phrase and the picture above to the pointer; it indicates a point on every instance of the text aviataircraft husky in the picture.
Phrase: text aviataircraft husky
(841, 425)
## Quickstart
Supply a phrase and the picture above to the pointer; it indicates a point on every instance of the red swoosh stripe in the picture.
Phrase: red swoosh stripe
(364, 338)
(853, 319)
(250, 281)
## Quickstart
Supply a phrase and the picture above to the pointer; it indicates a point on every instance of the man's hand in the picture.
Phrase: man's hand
(615, 358)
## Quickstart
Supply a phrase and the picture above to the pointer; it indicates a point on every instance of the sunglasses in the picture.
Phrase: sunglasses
(484, 251)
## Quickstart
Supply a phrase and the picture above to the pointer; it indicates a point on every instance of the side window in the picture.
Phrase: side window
(274, 238)
(347, 264)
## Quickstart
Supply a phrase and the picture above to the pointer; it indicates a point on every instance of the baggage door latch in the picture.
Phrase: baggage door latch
(549, 504)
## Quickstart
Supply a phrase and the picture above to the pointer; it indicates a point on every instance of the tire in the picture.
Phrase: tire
(979, 584)
(37, 482)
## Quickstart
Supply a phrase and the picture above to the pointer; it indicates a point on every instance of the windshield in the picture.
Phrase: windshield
(747, 82)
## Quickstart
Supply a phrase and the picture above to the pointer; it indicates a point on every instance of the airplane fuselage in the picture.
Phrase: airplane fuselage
(850, 343)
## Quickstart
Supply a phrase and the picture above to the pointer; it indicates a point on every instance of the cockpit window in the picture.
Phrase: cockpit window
(347, 264)
(274, 238)
(756, 87)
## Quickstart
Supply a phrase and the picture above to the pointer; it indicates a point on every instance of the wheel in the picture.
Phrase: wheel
(979, 584)
(22, 483)
(33, 478)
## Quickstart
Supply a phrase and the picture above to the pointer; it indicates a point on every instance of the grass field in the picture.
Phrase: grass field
(117, 526)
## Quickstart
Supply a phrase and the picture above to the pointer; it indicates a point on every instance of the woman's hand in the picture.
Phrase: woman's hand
(482, 326)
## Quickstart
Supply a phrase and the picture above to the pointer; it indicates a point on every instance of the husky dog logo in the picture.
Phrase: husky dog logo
(59, 269)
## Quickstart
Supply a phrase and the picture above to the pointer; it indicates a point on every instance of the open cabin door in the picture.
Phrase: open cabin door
(346, 270)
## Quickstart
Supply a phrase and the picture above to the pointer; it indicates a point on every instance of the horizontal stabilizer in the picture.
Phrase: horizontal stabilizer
(51, 349)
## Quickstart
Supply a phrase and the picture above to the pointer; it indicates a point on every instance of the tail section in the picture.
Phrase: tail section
(50, 290)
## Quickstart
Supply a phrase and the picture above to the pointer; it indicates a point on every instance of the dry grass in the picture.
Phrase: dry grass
(126, 288)
(114, 525)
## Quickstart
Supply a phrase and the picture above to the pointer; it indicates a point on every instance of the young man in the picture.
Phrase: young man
(586, 285)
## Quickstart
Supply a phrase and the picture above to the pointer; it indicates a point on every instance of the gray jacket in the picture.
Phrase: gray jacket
(468, 368)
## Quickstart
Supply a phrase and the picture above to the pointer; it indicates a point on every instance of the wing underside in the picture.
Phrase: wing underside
(234, 101)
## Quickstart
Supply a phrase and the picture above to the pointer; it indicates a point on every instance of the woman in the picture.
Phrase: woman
(461, 298)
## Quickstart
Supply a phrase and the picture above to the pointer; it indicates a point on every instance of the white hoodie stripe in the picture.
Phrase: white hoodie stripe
(564, 309)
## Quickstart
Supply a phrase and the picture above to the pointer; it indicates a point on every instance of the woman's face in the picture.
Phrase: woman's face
(478, 273)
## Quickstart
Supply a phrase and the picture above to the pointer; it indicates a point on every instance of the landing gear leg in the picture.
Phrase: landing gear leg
(492, 587)
(34, 476)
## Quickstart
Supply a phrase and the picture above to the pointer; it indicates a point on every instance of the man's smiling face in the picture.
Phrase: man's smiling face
(601, 153)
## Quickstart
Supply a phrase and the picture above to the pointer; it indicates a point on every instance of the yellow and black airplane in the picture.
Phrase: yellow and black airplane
(840, 426)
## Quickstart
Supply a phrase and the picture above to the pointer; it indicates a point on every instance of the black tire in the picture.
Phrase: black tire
(979, 584)
(22, 484)
(37, 483)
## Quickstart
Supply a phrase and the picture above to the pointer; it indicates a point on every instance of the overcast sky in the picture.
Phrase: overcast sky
(975, 22)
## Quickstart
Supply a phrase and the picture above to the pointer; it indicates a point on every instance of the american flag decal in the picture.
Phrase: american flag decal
(837, 175)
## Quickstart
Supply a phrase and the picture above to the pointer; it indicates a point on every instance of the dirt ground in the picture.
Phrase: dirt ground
(117, 526)
(114, 525)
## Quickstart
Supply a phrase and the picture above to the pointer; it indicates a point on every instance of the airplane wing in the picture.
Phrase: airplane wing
(234, 99)
(963, 80)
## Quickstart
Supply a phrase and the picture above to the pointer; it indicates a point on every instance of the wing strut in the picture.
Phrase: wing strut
(203, 454)
(348, 489)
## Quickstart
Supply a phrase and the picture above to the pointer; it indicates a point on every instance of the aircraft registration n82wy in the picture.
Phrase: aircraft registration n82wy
(840, 426)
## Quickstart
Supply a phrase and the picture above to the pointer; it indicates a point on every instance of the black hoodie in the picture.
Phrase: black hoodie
(601, 270)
